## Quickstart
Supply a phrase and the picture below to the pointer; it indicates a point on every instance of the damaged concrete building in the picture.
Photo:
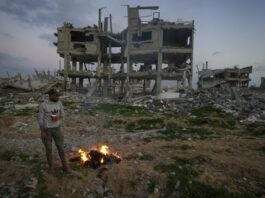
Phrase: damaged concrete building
(160, 50)
(234, 77)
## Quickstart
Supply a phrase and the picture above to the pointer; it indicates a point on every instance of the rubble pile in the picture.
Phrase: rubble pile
(39, 81)
(245, 104)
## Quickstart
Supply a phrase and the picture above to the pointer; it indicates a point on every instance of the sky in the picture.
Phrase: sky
(228, 32)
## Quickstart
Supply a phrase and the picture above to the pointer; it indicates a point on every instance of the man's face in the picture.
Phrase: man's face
(54, 98)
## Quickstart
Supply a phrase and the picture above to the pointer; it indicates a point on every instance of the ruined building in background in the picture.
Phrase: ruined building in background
(152, 50)
(234, 77)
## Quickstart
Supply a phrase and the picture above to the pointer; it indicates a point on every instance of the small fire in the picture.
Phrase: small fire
(97, 156)
(84, 156)
(104, 149)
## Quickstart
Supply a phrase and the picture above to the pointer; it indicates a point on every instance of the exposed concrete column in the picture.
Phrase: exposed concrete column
(66, 68)
(158, 73)
(105, 79)
(81, 80)
(74, 69)
(191, 59)
(159, 61)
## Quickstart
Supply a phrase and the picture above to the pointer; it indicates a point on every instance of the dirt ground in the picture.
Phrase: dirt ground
(227, 164)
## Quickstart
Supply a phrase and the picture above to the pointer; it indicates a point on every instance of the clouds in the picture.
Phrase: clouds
(6, 35)
(13, 65)
(48, 13)
(216, 53)
(48, 37)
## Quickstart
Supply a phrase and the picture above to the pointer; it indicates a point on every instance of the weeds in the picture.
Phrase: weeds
(125, 110)
(26, 112)
(183, 133)
(145, 124)
(185, 147)
(147, 157)
(183, 172)
(212, 116)
(255, 130)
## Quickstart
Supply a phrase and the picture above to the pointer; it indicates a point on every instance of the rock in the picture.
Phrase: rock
(100, 190)
(140, 154)
(31, 183)
(177, 185)
(73, 191)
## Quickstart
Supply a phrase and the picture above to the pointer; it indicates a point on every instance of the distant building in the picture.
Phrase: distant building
(150, 44)
(234, 77)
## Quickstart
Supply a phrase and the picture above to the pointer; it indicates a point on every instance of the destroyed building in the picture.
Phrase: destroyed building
(234, 77)
(146, 44)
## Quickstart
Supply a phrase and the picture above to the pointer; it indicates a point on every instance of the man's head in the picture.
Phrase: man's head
(54, 95)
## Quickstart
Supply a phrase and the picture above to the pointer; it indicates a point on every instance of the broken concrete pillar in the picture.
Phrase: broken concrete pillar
(158, 73)
(81, 80)
(66, 68)
(74, 69)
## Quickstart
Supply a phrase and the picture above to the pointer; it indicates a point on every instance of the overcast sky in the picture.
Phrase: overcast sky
(228, 32)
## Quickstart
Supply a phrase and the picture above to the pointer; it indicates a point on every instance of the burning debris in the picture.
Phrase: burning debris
(96, 157)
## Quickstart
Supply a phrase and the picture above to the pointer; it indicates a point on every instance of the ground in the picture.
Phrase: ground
(203, 153)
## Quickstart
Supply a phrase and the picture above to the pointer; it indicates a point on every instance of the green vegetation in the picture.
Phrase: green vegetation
(181, 178)
(183, 133)
(185, 147)
(147, 140)
(255, 129)
(41, 191)
(145, 124)
(2, 110)
(125, 110)
(212, 116)
(26, 112)
(67, 103)
(6, 155)
(147, 157)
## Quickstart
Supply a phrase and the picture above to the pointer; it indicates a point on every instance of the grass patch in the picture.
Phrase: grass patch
(6, 155)
(125, 110)
(41, 191)
(255, 130)
(185, 147)
(145, 124)
(2, 110)
(205, 111)
(183, 172)
(183, 133)
(26, 112)
(68, 103)
(147, 140)
(212, 116)
(147, 157)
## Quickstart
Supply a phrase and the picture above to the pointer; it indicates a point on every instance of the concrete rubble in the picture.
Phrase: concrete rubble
(39, 81)
(245, 104)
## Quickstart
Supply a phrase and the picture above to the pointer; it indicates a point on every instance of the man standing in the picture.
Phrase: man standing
(50, 118)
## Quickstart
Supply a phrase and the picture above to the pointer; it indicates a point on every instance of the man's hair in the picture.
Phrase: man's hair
(53, 92)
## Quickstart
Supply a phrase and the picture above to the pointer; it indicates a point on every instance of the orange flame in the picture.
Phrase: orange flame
(84, 155)
(104, 149)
